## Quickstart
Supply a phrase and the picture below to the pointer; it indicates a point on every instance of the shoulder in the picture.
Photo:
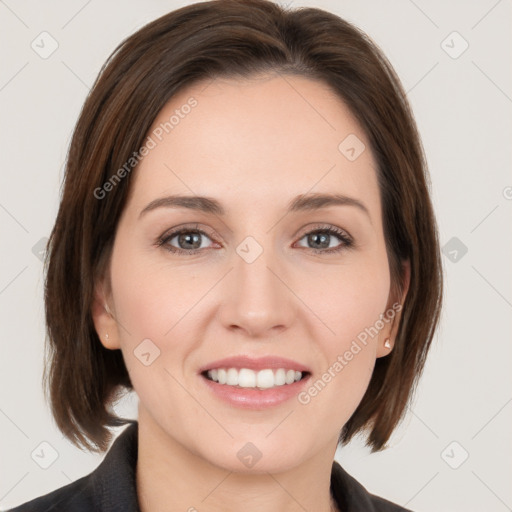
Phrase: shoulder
(109, 488)
(353, 497)
(76, 497)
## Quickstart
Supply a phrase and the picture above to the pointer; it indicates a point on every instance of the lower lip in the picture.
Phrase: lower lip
(251, 398)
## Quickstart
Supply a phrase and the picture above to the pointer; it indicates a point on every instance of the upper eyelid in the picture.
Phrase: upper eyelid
(302, 233)
(171, 233)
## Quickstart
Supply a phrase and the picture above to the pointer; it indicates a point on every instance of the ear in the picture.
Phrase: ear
(393, 310)
(103, 316)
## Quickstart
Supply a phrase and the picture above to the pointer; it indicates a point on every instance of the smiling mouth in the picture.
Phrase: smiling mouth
(246, 378)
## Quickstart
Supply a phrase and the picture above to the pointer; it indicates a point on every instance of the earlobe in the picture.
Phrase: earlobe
(385, 346)
(104, 321)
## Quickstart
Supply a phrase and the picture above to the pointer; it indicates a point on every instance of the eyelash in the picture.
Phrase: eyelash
(346, 240)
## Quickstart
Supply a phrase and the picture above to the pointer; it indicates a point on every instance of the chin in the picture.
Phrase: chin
(256, 456)
(270, 464)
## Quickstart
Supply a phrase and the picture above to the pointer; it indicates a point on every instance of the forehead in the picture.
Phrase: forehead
(261, 140)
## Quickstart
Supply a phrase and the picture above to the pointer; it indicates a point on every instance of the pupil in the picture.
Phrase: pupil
(324, 236)
(193, 239)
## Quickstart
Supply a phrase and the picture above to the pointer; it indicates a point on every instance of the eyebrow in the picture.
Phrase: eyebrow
(303, 202)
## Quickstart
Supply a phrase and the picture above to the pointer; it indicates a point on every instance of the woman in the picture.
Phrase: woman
(246, 239)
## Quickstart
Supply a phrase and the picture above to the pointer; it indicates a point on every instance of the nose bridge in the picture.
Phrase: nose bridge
(258, 300)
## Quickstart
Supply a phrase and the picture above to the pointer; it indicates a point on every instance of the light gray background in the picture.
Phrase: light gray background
(463, 108)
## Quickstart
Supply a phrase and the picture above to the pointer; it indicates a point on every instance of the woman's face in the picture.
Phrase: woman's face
(256, 276)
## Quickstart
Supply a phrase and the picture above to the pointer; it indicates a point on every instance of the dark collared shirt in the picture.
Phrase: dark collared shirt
(111, 486)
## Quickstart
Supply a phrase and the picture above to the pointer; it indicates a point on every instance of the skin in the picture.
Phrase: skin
(253, 145)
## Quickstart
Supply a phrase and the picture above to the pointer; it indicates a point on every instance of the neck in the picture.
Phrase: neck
(170, 477)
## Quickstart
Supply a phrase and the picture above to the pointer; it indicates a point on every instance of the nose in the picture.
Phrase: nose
(258, 300)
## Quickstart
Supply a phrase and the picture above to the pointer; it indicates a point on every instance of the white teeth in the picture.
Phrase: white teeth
(265, 379)
(246, 378)
(232, 377)
(221, 375)
(280, 377)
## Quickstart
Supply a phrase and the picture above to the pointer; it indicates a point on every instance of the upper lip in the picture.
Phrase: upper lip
(255, 363)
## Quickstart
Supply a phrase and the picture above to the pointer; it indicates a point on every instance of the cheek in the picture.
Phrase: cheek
(153, 302)
(352, 301)
(349, 361)
(151, 299)
(351, 298)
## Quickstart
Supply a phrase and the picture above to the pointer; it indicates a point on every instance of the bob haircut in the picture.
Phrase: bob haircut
(229, 39)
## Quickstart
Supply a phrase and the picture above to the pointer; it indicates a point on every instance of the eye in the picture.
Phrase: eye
(188, 240)
(321, 240)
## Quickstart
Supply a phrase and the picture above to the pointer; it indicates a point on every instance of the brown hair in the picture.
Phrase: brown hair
(230, 38)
